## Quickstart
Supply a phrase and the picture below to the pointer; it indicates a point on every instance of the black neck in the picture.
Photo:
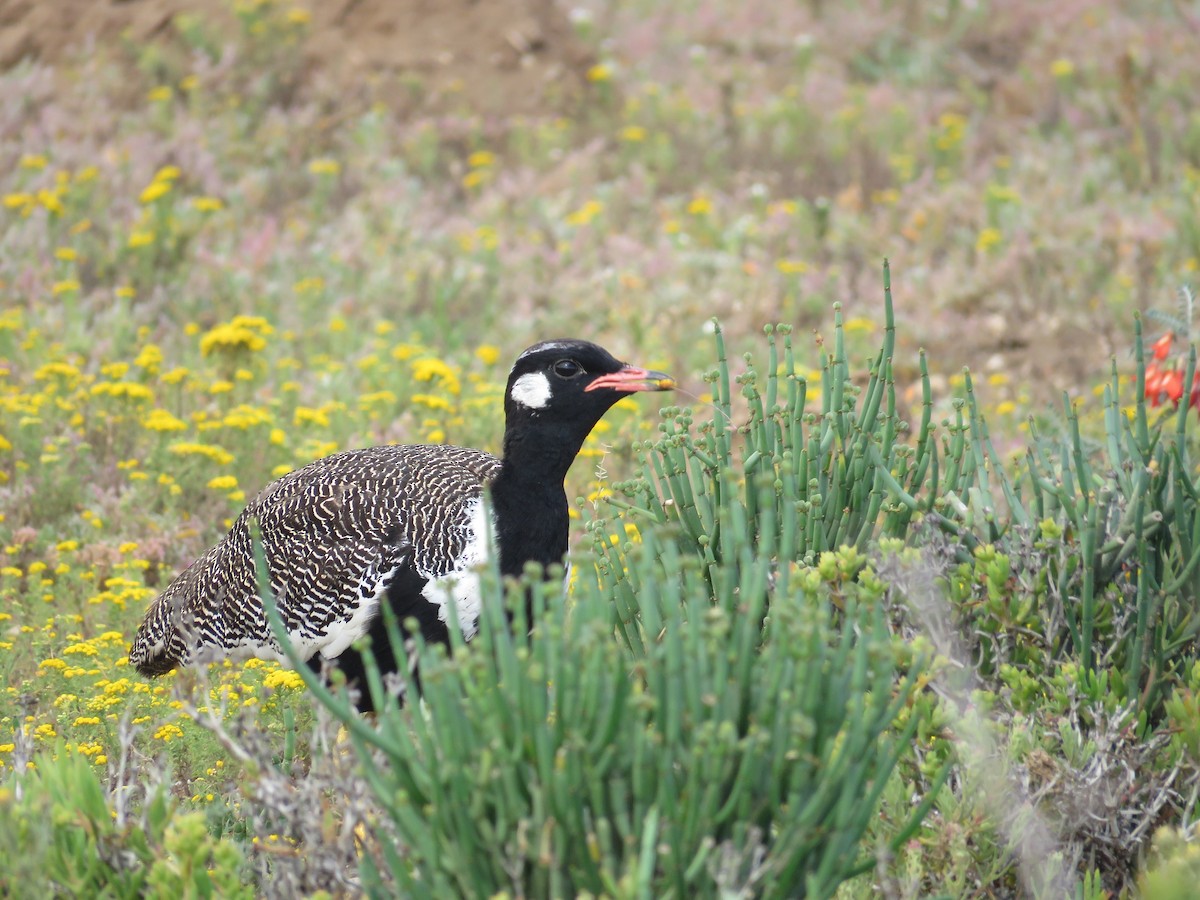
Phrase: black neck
(528, 496)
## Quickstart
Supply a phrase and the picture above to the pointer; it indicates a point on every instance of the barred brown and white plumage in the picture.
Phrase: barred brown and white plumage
(405, 524)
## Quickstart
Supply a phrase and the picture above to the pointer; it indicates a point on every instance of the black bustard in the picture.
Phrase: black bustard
(405, 525)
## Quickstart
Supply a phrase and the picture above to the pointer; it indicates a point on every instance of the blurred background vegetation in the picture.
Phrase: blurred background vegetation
(238, 235)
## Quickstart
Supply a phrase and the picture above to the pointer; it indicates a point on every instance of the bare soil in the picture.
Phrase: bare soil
(502, 57)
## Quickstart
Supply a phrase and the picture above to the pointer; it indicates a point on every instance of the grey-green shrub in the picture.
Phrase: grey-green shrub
(61, 837)
(743, 746)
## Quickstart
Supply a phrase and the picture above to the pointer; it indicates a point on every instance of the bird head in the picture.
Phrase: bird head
(573, 380)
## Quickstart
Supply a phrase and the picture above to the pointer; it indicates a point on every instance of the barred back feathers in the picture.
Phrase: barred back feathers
(334, 534)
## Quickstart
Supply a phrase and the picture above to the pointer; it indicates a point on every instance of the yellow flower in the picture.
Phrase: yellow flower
(123, 390)
(167, 173)
(160, 94)
(371, 399)
(50, 200)
(791, 266)
(430, 369)
(481, 159)
(700, 206)
(35, 161)
(307, 415)
(988, 238)
(431, 401)
(598, 73)
(487, 354)
(244, 416)
(116, 688)
(65, 371)
(219, 455)
(168, 732)
(149, 358)
(65, 253)
(223, 483)
(309, 285)
(298, 16)
(65, 286)
(12, 201)
(324, 167)
(585, 213)
(155, 190)
(1002, 193)
(475, 178)
(125, 292)
(140, 238)
(208, 204)
(1062, 68)
(633, 133)
(405, 351)
(859, 324)
(283, 678)
(242, 333)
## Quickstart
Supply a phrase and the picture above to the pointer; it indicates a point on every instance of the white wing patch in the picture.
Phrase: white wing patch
(337, 637)
(462, 586)
(532, 390)
(344, 633)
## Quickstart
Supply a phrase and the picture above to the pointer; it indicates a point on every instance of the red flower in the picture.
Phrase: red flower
(1159, 382)
(1162, 346)
(1173, 385)
(1168, 382)
(1154, 378)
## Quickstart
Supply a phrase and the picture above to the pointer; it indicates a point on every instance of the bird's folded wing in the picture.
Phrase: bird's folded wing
(334, 535)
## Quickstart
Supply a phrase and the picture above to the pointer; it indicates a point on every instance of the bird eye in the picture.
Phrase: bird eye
(568, 368)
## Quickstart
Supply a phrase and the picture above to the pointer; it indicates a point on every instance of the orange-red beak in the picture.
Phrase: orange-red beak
(631, 378)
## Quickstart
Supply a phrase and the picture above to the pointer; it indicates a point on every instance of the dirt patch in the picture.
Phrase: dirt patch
(499, 57)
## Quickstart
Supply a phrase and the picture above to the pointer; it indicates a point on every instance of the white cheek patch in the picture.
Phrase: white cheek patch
(532, 391)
